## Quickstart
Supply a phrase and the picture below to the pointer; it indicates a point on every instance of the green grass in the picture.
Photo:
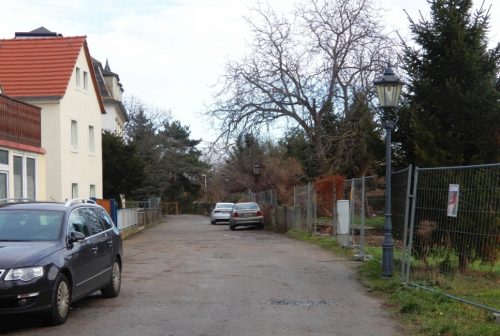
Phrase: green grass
(376, 222)
(421, 311)
(324, 242)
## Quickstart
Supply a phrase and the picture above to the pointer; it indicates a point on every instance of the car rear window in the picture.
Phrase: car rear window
(247, 206)
(30, 225)
(224, 205)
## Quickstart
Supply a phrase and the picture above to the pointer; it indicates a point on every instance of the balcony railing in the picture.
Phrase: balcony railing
(19, 122)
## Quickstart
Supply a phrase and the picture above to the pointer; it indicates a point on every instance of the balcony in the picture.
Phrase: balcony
(19, 122)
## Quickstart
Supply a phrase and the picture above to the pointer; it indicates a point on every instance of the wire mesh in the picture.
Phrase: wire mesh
(455, 231)
(366, 205)
(304, 200)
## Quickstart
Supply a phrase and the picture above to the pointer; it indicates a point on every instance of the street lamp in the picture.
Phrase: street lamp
(388, 91)
(257, 168)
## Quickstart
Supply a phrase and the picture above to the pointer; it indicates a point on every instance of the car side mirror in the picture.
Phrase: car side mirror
(76, 236)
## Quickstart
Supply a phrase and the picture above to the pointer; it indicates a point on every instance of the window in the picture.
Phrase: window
(4, 177)
(30, 178)
(85, 80)
(76, 222)
(74, 190)
(93, 221)
(74, 134)
(92, 190)
(77, 76)
(18, 176)
(107, 221)
(91, 139)
(4, 157)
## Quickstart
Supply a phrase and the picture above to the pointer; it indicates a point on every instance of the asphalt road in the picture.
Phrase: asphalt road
(187, 277)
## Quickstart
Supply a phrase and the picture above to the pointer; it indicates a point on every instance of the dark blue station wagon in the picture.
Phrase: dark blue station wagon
(52, 254)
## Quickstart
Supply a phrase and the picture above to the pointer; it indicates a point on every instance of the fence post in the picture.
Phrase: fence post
(351, 210)
(362, 228)
(404, 255)
(406, 277)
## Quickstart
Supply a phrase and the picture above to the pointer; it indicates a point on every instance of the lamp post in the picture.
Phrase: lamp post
(205, 185)
(388, 91)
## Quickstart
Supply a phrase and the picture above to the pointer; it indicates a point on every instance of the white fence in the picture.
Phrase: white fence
(127, 218)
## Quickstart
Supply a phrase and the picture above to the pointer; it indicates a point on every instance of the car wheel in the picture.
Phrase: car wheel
(113, 288)
(212, 222)
(232, 227)
(60, 301)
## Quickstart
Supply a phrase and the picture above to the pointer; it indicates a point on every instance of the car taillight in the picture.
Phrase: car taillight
(235, 214)
(259, 213)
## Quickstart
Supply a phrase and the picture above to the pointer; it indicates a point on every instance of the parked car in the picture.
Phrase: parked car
(246, 214)
(52, 254)
(221, 212)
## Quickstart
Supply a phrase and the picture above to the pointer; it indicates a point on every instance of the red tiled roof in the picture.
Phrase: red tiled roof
(41, 67)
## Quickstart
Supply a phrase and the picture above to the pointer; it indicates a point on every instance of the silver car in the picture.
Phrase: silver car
(246, 214)
(221, 212)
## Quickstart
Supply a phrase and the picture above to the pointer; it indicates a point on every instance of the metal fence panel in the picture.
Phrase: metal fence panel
(401, 201)
(366, 202)
(455, 232)
(127, 218)
(304, 198)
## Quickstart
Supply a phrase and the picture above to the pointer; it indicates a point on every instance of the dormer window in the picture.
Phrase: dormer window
(77, 76)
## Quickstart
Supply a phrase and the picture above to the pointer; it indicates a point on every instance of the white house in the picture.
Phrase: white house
(111, 92)
(56, 74)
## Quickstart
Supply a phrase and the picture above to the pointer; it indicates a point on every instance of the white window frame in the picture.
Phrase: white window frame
(92, 190)
(74, 135)
(23, 174)
(8, 158)
(91, 139)
(9, 169)
(6, 173)
(77, 77)
(26, 158)
(74, 190)
(85, 80)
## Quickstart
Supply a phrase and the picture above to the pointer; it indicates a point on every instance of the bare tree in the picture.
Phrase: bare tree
(303, 71)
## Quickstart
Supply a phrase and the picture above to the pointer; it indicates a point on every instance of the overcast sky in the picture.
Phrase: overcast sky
(169, 53)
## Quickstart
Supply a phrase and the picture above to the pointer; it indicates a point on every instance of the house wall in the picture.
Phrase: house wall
(112, 121)
(113, 87)
(81, 165)
(66, 165)
(51, 135)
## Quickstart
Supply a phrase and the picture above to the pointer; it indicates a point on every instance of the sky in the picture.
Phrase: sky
(171, 53)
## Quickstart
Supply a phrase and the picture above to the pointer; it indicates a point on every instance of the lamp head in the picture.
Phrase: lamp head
(388, 87)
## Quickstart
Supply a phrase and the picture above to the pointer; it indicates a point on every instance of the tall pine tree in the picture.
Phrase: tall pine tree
(452, 116)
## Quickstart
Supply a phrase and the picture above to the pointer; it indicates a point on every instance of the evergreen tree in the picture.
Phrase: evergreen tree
(172, 163)
(452, 116)
(123, 171)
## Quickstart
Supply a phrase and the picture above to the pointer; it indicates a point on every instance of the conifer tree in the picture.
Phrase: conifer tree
(452, 116)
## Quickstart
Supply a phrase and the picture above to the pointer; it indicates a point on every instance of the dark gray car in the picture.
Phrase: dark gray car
(52, 254)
